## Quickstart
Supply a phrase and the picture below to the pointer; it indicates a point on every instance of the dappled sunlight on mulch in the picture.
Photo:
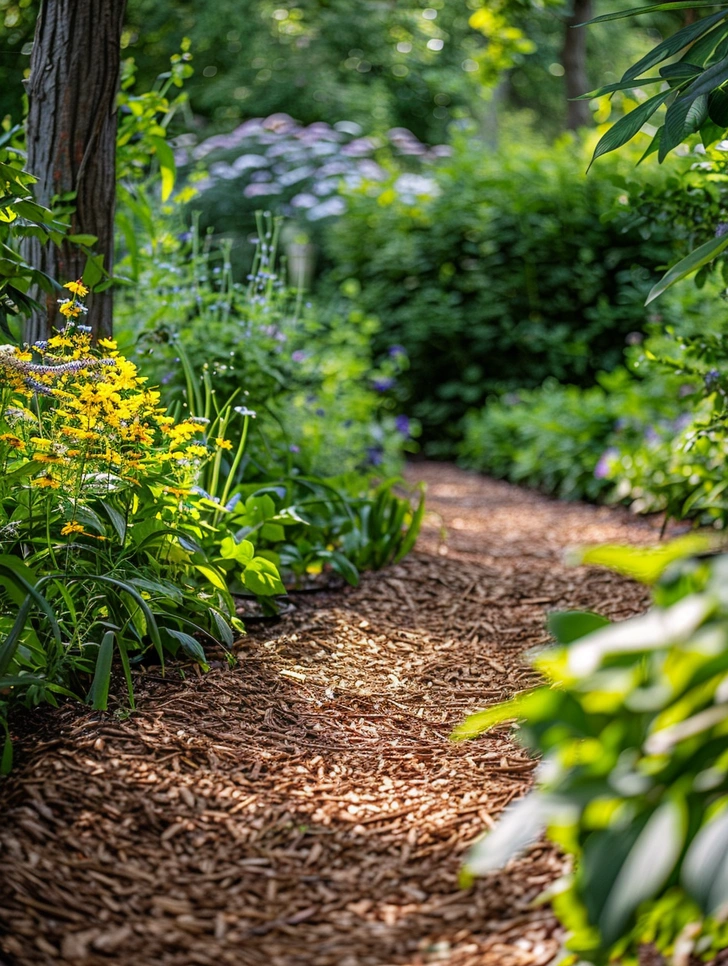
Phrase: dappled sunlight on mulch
(306, 807)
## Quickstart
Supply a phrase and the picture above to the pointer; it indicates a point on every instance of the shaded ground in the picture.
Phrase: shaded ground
(306, 806)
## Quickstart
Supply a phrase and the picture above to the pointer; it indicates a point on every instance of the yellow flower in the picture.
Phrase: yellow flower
(13, 442)
(46, 481)
(108, 344)
(59, 342)
(77, 287)
(47, 458)
(72, 527)
(196, 450)
(71, 310)
(223, 443)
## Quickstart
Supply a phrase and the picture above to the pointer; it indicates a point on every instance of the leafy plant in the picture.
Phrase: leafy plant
(100, 551)
(631, 727)
(500, 270)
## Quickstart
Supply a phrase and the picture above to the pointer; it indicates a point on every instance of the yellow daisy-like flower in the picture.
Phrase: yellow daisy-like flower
(196, 450)
(46, 481)
(72, 527)
(223, 443)
(77, 287)
(14, 442)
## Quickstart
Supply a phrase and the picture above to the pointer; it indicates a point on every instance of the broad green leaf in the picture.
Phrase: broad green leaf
(718, 108)
(646, 869)
(686, 266)
(94, 270)
(117, 520)
(645, 564)
(705, 866)
(262, 577)
(190, 645)
(519, 826)
(568, 626)
(682, 119)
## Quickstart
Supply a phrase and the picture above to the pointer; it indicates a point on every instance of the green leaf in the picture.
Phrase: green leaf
(686, 266)
(88, 240)
(519, 826)
(98, 696)
(671, 45)
(568, 626)
(650, 8)
(262, 577)
(475, 724)
(705, 866)
(629, 125)
(190, 645)
(6, 761)
(646, 869)
(341, 565)
(683, 118)
(645, 564)
(718, 108)
(94, 270)
(117, 520)
(165, 156)
(241, 552)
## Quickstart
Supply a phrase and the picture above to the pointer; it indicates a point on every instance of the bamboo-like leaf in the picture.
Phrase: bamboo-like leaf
(629, 125)
(650, 8)
(691, 263)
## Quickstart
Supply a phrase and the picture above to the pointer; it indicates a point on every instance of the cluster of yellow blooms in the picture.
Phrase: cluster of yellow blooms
(85, 416)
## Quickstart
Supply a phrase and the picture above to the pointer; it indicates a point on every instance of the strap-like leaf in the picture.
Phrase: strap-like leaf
(650, 8)
(691, 263)
(626, 127)
(684, 117)
(671, 45)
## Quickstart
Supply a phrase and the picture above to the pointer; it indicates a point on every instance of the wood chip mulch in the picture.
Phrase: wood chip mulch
(306, 806)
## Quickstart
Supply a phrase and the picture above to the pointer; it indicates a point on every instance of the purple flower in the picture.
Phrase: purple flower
(384, 384)
(397, 350)
(294, 449)
(320, 412)
(711, 378)
(402, 425)
(602, 469)
(298, 356)
(375, 455)
(721, 228)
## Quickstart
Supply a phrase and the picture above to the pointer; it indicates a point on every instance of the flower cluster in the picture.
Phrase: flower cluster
(87, 422)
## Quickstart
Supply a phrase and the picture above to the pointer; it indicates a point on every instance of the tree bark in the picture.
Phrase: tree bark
(573, 60)
(74, 79)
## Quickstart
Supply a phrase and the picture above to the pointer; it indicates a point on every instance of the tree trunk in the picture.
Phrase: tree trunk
(74, 79)
(573, 60)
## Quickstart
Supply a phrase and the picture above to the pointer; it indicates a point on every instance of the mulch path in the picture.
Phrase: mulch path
(306, 806)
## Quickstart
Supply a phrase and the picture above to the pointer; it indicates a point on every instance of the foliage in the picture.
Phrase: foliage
(631, 725)
(100, 549)
(21, 217)
(499, 271)
(322, 407)
(565, 440)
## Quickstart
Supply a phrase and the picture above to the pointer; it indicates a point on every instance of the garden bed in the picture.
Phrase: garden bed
(306, 806)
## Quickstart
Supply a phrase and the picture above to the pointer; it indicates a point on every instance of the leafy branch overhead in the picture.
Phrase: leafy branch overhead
(692, 87)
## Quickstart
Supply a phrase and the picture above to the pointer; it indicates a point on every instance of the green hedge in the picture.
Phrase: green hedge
(499, 270)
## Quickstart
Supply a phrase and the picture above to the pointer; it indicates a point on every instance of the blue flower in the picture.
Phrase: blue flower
(397, 350)
(402, 425)
(384, 384)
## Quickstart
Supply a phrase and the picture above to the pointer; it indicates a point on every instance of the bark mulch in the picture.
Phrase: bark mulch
(306, 806)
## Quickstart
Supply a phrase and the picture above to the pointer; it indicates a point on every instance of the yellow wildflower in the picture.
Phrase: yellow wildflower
(223, 443)
(14, 442)
(77, 287)
(72, 527)
(71, 310)
(46, 481)
(108, 344)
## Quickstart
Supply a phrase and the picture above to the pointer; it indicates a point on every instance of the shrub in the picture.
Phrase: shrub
(499, 271)
(567, 441)
(631, 726)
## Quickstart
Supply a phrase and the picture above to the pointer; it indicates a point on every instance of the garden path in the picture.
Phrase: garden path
(306, 808)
